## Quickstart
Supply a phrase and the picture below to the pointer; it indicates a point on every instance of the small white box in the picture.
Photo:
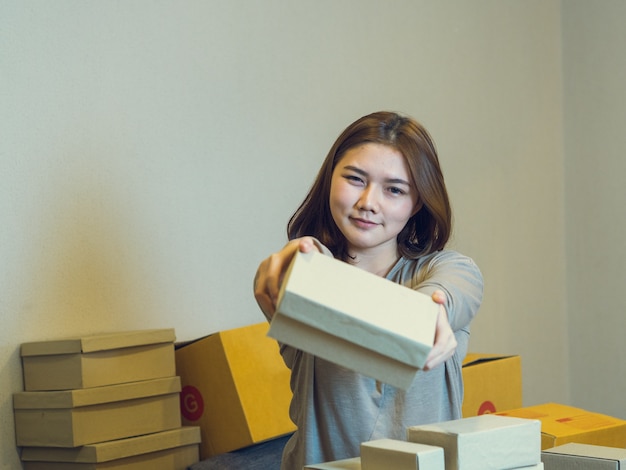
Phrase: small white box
(485, 442)
(385, 454)
(347, 464)
(355, 319)
(592, 457)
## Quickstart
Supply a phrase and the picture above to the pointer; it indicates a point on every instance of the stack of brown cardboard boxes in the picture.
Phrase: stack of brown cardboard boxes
(103, 401)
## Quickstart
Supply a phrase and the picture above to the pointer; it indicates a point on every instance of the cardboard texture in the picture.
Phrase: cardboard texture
(175, 449)
(587, 456)
(346, 464)
(383, 454)
(485, 442)
(98, 360)
(355, 319)
(236, 388)
(74, 418)
(492, 383)
(561, 424)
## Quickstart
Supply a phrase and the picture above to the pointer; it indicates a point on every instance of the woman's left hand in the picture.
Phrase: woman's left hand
(445, 341)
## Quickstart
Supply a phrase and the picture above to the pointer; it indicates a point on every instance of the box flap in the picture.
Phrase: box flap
(354, 304)
(96, 395)
(479, 358)
(99, 342)
(114, 450)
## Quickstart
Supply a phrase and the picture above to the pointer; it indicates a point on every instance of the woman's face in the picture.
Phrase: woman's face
(372, 198)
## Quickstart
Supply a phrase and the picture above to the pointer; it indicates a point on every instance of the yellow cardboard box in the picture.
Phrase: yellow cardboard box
(176, 449)
(72, 418)
(235, 387)
(341, 313)
(561, 424)
(492, 383)
(98, 360)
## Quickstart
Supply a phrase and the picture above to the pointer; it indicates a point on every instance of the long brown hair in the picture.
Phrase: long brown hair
(427, 231)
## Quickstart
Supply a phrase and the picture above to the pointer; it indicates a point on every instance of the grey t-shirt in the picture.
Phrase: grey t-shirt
(336, 409)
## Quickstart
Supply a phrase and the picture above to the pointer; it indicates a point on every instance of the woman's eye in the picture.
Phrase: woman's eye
(354, 178)
(397, 191)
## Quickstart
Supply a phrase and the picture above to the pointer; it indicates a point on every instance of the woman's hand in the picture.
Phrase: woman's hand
(445, 341)
(271, 271)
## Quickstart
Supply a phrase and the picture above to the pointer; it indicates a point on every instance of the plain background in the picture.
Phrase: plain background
(151, 153)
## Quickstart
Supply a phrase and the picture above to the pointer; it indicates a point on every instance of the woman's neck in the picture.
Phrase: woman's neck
(376, 263)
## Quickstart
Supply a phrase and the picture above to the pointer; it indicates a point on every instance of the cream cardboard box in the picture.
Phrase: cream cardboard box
(574, 455)
(492, 383)
(172, 450)
(72, 418)
(97, 360)
(235, 387)
(346, 464)
(384, 454)
(561, 424)
(486, 442)
(355, 319)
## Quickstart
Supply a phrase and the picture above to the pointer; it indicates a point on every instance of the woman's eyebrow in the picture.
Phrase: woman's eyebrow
(388, 180)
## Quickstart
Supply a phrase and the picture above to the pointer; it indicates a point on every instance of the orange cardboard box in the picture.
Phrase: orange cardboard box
(176, 449)
(235, 387)
(561, 424)
(492, 383)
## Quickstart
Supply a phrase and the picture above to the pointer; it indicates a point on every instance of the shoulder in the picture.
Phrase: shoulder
(440, 264)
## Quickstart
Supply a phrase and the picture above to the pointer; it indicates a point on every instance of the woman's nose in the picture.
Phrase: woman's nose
(368, 200)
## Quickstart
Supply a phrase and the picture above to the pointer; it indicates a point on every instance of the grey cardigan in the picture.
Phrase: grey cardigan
(336, 409)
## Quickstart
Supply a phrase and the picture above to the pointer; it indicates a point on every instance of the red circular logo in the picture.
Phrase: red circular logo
(191, 403)
(486, 407)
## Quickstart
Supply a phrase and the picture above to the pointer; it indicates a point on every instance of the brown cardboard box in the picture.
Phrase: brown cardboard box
(98, 360)
(574, 455)
(341, 313)
(172, 450)
(235, 387)
(561, 424)
(73, 418)
(492, 383)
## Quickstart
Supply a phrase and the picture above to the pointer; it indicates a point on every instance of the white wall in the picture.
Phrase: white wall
(595, 142)
(152, 152)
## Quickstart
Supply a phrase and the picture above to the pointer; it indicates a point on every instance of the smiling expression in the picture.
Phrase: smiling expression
(371, 199)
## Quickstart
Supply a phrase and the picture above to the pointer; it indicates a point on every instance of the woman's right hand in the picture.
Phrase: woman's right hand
(271, 271)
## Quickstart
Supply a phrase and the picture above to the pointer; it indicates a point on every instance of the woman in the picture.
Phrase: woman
(380, 203)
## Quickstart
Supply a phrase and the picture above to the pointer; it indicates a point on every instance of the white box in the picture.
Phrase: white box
(587, 456)
(346, 464)
(355, 319)
(483, 442)
(385, 454)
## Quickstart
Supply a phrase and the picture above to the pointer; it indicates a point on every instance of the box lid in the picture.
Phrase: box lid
(114, 450)
(96, 395)
(590, 451)
(99, 342)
